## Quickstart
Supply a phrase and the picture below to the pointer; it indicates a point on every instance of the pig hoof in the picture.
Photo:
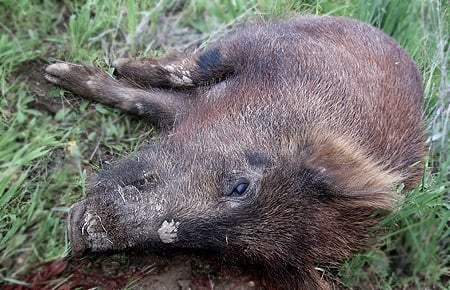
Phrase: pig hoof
(139, 70)
(121, 66)
(79, 79)
(119, 63)
(128, 67)
(55, 71)
(59, 70)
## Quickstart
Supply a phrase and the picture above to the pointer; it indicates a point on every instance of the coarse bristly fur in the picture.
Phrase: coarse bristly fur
(284, 144)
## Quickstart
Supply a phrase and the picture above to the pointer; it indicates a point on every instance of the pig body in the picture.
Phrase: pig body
(284, 143)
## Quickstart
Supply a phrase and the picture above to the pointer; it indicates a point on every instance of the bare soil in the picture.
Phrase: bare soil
(137, 271)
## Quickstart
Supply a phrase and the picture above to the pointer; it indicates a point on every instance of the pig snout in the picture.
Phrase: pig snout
(86, 230)
(117, 220)
(76, 216)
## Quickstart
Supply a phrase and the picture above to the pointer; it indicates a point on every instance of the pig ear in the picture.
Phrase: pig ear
(371, 188)
(342, 168)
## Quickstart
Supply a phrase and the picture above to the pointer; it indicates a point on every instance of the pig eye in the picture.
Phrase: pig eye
(240, 188)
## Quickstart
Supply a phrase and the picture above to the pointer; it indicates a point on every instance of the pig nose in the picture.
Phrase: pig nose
(75, 224)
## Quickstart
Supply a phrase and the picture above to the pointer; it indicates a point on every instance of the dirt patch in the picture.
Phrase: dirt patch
(138, 271)
(193, 271)
(32, 74)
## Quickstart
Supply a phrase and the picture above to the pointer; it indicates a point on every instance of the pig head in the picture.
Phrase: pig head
(283, 144)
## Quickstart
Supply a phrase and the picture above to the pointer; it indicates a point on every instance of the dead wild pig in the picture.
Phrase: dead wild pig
(284, 142)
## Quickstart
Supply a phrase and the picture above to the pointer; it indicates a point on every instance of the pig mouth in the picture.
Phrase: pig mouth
(86, 230)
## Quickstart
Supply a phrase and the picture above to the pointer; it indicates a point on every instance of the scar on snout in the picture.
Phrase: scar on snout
(168, 231)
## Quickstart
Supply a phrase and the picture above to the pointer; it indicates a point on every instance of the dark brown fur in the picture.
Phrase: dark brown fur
(318, 117)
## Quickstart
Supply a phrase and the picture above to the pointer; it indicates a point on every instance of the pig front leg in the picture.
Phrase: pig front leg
(155, 105)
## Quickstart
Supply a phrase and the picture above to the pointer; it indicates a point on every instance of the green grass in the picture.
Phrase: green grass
(47, 151)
